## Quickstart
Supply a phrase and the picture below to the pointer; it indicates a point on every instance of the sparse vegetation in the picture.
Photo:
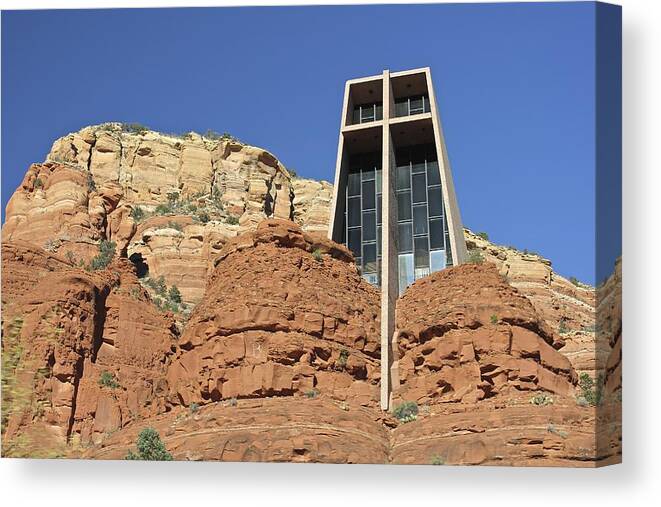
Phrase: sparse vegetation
(104, 257)
(38, 183)
(483, 235)
(150, 447)
(342, 360)
(541, 399)
(134, 128)
(591, 391)
(232, 220)
(575, 281)
(312, 393)
(71, 257)
(232, 402)
(107, 379)
(475, 256)
(174, 225)
(406, 412)
(494, 319)
(437, 460)
(91, 185)
(292, 173)
(12, 355)
(51, 245)
(202, 217)
(562, 327)
(138, 214)
(174, 295)
(317, 255)
(194, 407)
(552, 429)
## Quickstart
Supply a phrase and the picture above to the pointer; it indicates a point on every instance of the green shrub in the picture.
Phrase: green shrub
(292, 173)
(174, 295)
(475, 256)
(562, 328)
(483, 235)
(134, 128)
(71, 257)
(91, 185)
(194, 407)
(406, 412)
(312, 393)
(437, 460)
(232, 220)
(150, 447)
(164, 209)
(591, 391)
(575, 281)
(202, 217)
(107, 379)
(541, 399)
(138, 214)
(104, 257)
(317, 255)
(38, 183)
(342, 360)
(494, 319)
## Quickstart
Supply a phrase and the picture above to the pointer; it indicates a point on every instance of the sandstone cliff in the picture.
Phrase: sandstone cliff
(171, 200)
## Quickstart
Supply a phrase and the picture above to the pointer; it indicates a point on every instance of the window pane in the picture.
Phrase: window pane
(433, 176)
(427, 104)
(418, 167)
(416, 105)
(405, 239)
(367, 113)
(405, 271)
(369, 201)
(436, 233)
(368, 169)
(421, 253)
(404, 205)
(354, 211)
(419, 188)
(437, 260)
(378, 209)
(378, 241)
(356, 115)
(401, 107)
(435, 202)
(379, 111)
(354, 241)
(420, 219)
(353, 185)
(378, 181)
(369, 258)
(369, 226)
(403, 177)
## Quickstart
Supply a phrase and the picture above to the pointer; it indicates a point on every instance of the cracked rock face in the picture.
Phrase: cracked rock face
(94, 179)
(285, 314)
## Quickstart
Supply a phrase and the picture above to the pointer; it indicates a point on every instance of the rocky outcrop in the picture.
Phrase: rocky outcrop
(65, 329)
(464, 334)
(110, 182)
(285, 314)
(568, 307)
(491, 379)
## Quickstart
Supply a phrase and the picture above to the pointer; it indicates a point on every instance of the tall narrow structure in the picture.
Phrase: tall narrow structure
(394, 203)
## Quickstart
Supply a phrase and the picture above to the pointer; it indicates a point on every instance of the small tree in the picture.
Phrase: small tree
(483, 235)
(575, 281)
(174, 295)
(105, 255)
(150, 447)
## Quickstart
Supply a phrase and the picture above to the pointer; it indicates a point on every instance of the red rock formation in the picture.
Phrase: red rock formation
(66, 327)
(285, 313)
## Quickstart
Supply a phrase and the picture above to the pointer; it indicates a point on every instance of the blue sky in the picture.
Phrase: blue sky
(514, 82)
